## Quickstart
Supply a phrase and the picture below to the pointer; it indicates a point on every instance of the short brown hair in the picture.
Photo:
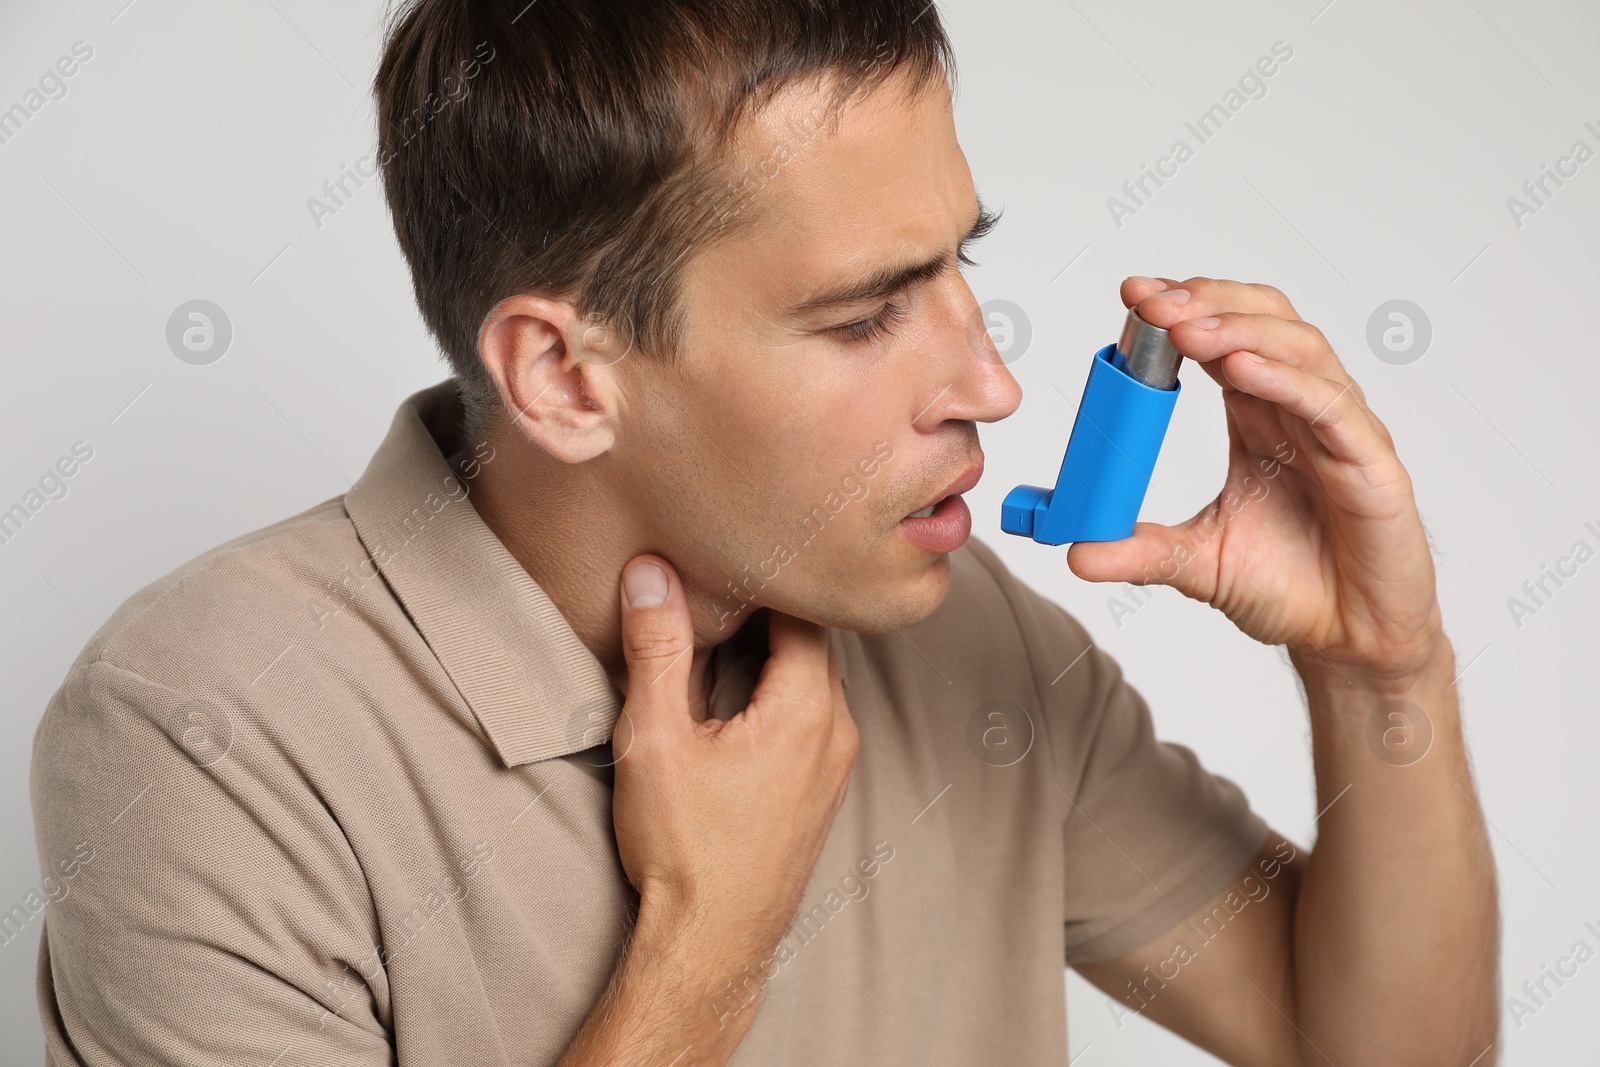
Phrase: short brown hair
(583, 151)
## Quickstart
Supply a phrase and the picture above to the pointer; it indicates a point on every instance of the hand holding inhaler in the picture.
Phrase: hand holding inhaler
(1312, 542)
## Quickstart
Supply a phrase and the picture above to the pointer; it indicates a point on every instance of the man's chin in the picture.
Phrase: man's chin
(874, 597)
(877, 602)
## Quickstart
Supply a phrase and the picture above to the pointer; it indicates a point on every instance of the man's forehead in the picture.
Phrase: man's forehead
(807, 150)
(886, 186)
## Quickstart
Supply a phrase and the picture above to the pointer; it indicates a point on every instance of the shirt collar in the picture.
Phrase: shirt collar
(534, 687)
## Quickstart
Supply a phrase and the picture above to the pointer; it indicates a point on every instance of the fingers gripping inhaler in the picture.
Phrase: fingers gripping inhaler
(1111, 452)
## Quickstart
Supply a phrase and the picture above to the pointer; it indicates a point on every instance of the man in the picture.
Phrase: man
(693, 736)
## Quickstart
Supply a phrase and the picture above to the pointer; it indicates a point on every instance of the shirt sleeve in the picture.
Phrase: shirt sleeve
(1149, 834)
(203, 906)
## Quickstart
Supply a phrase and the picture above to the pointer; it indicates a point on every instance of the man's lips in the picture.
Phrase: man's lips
(964, 482)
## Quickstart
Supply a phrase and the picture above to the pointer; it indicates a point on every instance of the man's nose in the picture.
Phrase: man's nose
(977, 385)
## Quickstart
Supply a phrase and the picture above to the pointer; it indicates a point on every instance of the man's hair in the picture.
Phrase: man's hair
(582, 149)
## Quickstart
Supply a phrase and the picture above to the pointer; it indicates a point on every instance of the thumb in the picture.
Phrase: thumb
(657, 636)
(1152, 555)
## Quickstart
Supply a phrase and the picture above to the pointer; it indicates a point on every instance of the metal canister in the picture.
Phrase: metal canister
(1145, 352)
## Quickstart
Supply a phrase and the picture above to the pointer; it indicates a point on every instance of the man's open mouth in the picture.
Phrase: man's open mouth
(963, 482)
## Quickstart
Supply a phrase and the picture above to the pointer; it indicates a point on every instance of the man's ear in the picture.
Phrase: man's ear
(555, 374)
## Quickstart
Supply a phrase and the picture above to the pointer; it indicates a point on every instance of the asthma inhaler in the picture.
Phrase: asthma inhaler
(1111, 452)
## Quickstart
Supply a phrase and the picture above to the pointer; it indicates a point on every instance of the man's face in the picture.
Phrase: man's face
(776, 463)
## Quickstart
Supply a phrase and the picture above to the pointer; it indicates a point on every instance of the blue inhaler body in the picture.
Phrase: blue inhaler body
(1112, 450)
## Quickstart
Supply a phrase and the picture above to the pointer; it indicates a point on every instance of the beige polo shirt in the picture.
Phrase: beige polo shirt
(337, 792)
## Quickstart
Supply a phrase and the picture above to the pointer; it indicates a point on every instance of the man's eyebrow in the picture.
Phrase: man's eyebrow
(891, 279)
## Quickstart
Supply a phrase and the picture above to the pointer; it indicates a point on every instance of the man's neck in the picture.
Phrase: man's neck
(572, 536)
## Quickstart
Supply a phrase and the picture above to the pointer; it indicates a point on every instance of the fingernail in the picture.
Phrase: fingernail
(1177, 296)
(1151, 282)
(645, 584)
(1207, 323)
(1255, 358)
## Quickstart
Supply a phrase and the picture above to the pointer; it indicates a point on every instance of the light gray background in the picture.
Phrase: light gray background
(1377, 166)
